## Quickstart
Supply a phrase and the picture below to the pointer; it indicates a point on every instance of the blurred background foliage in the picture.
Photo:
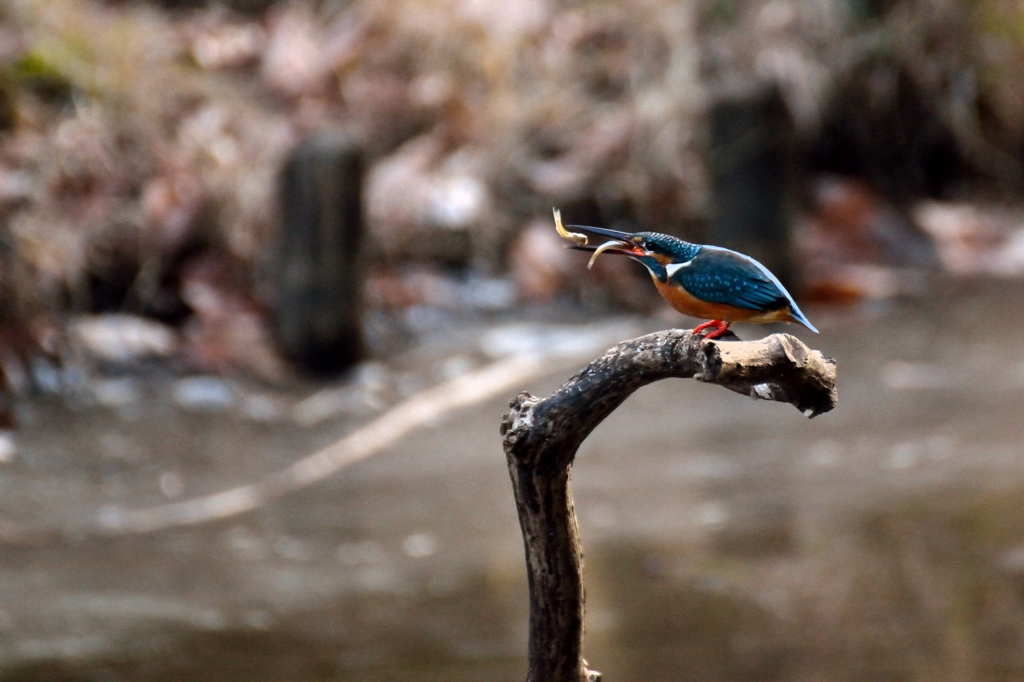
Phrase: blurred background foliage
(141, 143)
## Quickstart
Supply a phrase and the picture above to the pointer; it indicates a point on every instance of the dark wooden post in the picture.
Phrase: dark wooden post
(541, 438)
(749, 164)
(318, 300)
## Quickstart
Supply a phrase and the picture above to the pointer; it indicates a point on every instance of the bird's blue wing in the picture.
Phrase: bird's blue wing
(721, 276)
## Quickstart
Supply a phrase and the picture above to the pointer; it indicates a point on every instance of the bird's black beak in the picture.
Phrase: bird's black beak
(605, 232)
(623, 243)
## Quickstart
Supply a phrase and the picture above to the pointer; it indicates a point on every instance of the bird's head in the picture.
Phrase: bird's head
(653, 249)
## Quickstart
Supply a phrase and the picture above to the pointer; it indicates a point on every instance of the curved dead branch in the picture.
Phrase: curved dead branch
(541, 438)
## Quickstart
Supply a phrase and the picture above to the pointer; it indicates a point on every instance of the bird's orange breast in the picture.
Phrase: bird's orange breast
(684, 302)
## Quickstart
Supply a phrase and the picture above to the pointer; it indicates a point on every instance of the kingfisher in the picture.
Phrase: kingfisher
(706, 282)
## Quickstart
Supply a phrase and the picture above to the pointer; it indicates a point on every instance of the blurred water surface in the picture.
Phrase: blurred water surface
(725, 539)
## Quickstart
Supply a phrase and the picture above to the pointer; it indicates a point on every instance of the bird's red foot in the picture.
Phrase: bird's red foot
(721, 326)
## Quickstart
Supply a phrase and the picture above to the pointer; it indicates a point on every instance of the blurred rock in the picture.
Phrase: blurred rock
(246, 544)
(420, 545)
(46, 375)
(8, 447)
(372, 376)
(975, 239)
(30, 359)
(203, 394)
(121, 338)
(119, 392)
(16, 188)
(327, 404)
(428, 319)
(455, 367)
(260, 407)
(171, 484)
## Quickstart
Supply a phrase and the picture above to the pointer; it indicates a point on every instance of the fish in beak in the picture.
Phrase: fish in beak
(618, 246)
(575, 237)
(621, 242)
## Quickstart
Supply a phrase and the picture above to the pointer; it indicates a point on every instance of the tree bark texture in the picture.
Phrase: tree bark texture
(541, 437)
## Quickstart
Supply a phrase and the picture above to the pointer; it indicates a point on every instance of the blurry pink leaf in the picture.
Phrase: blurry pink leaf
(171, 204)
(294, 62)
(507, 19)
(228, 46)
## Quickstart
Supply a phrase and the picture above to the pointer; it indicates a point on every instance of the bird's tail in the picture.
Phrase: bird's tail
(798, 316)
